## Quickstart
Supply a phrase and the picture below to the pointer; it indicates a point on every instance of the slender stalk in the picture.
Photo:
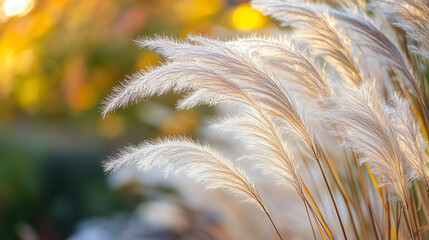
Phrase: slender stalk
(329, 190)
(269, 217)
(413, 220)
(304, 200)
(422, 199)
(356, 195)
(319, 223)
(367, 200)
(343, 192)
(415, 217)
(353, 221)
(388, 217)
(398, 220)
(407, 216)
(309, 220)
(416, 220)
(319, 217)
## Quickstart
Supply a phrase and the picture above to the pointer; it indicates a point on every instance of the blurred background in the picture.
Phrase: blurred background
(58, 60)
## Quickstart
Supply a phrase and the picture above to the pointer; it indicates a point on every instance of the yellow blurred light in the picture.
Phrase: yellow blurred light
(189, 10)
(247, 18)
(8, 60)
(17, 7)
(28, 92)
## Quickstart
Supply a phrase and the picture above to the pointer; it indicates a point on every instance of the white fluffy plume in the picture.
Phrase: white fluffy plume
(411, 138)
(272, 154)
(199, 161)
(367, 127)
(315, 26)
(257, 57)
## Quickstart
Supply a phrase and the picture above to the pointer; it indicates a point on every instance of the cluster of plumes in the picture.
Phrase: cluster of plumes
(215, 71)
(317, 25)
(278, 87)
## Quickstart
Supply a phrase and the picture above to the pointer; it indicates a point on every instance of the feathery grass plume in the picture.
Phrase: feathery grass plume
(200, 162)
(161, 79)
(319, 30)
(413, 17)
(288, 63)
(265, 52)
(264, 136)
(368, 129)
(411, 139)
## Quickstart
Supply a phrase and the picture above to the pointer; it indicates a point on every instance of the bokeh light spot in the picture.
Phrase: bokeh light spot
(247, 18)
(17, 7)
